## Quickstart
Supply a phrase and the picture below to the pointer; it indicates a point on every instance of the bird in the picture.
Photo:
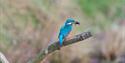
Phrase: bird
(66, 29)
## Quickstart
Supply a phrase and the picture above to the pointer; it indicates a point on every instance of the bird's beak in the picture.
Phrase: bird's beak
(76, 22)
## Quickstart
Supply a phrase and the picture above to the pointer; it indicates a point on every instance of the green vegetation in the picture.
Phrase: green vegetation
(93, 7)
(102, 13)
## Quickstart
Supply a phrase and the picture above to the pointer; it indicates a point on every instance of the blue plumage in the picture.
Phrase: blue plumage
(66, 29)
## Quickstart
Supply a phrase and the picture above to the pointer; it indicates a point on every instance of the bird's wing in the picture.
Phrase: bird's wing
(64, 31)
(61, 31)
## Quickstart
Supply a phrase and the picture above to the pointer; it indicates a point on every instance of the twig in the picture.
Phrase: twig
(55, 46)
(3, 58)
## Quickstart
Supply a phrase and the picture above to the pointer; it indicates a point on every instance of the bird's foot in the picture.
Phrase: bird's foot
(59, 47)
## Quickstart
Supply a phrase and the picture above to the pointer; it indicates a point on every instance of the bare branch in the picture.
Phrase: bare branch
(3, 58)
(55, 46)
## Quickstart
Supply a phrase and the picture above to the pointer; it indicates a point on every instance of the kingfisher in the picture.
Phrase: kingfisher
(66, 29)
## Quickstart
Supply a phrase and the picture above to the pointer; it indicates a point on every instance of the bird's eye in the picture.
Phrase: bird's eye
(69, 23)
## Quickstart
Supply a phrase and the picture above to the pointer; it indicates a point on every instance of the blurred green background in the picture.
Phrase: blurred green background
(27, 26)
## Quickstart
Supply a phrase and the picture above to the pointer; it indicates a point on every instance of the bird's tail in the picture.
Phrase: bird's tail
(60, 40)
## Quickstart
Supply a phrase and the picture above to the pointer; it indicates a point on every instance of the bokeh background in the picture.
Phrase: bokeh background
(27, 26)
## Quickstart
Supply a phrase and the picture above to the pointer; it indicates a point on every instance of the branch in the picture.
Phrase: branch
(55, 46)
(3, 58)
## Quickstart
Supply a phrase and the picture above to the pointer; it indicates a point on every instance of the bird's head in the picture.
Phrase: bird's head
(71, 21)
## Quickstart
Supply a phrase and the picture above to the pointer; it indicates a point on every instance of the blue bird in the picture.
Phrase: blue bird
(66, 29)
